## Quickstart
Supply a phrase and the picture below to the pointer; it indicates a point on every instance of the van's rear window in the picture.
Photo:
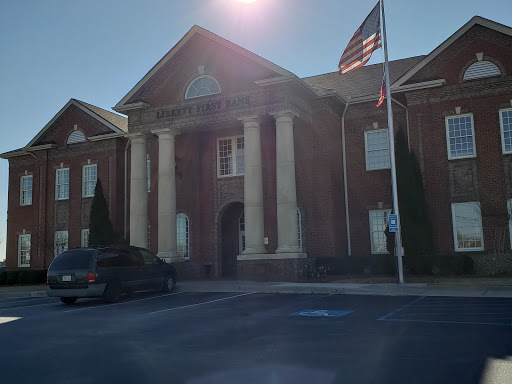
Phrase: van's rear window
(73, 259)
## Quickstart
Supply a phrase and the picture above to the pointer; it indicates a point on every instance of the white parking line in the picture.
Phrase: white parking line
(205, 302)
(26, 306)
(126, 302)
(24, 300)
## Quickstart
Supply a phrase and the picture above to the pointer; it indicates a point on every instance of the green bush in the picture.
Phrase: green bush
(24, 276)
(441, 264)
(12, 277)
(360, 265)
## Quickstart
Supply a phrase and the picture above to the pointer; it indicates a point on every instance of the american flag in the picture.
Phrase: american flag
(364, 41)
(382, 91)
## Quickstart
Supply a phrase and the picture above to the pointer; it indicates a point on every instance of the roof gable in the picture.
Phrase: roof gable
(477, 20)
(113, 122)
(194, 31)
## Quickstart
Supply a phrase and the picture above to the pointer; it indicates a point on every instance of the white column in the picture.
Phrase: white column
(287, 234)
(166, 195)
(138, 193)
(253, 187)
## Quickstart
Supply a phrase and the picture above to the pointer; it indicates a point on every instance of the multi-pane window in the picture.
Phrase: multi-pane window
(182, 236)
(378, 223)
(467, 227)
(241, 233)
(60, 242)
(202, 86)
(460, 136)
(62, 187)
(377, 149)
(24, 244)
(506, 130)
(230, 149)
(85, 238)
(90, 174)
(26, 190)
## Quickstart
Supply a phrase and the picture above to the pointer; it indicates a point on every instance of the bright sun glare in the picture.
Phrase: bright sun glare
(246, 1)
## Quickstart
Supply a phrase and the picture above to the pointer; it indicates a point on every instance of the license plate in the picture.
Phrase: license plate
(66, 278)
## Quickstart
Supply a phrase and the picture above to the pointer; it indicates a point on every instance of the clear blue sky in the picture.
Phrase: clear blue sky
(97, 50)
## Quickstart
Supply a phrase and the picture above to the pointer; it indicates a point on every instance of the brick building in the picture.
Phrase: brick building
(236, 167)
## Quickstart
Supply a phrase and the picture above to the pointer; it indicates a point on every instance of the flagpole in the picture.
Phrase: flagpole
(399, 251)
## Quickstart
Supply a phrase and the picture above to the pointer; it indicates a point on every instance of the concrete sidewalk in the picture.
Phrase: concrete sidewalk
(456, 287)
(382, 289)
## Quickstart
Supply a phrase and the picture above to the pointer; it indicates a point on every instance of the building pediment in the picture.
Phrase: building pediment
(236, 71)
(479, 39)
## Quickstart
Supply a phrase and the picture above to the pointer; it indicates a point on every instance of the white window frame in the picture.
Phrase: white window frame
(386, 214)
(20, 239)
(24, 199)
(84, 237)
(185, 254)
(85, 182)
(234, 156)
(57, 235)
(200, 77)
(503, 149)
(455, 242)
(57, 184)
(241, 233)
(366, 152)
(446, 119)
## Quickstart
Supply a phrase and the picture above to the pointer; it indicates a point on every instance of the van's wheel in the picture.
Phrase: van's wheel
(68, 300)
(112, 292)
(169, 283)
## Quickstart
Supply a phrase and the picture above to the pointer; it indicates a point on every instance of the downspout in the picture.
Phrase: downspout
(406, 121)
(125, 186)
(345, 182)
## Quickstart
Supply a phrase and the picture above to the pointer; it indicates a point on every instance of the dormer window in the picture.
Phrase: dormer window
(202, 86)
(480, 70)
(76, 137)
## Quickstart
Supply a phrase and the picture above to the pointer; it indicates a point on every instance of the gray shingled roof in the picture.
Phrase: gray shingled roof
(364, 81)
(119, 121)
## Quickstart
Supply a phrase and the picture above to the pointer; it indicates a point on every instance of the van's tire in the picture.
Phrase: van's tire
(112, 292)
(169, 283)
(68, 300)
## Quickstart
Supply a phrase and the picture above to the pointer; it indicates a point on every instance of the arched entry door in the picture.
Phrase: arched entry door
(232, 238)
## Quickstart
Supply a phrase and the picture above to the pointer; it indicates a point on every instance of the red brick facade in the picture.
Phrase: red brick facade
(208, 200)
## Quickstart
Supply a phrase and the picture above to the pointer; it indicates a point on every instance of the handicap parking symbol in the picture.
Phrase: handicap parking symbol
(321, 313)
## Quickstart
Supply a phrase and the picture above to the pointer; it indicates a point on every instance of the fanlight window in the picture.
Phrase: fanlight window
(481, 69)
(76, 137)
(202, 86)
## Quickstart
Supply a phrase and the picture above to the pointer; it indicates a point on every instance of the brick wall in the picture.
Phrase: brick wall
(46, 214)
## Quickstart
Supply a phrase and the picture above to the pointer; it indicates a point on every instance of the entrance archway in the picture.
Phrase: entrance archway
(231, 238)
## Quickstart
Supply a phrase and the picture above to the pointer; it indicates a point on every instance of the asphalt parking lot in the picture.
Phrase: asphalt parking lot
(256, 338)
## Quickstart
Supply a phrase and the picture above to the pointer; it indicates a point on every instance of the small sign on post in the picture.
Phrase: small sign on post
(393, 223)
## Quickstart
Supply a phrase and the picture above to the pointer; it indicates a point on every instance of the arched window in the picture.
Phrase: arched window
(202, 86)
(76, 137)
(299, 227)
(481, 69)
(241, 233)
(182, 236)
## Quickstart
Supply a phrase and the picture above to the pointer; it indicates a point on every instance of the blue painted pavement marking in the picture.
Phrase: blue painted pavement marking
(321, 313)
